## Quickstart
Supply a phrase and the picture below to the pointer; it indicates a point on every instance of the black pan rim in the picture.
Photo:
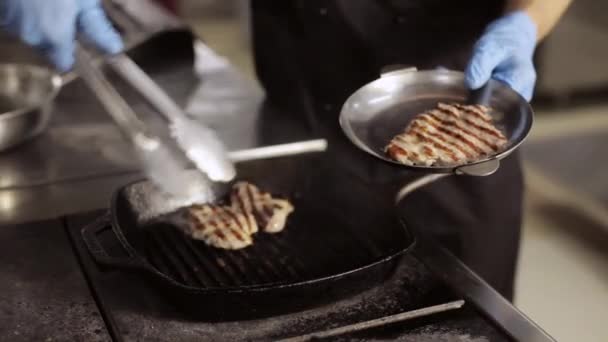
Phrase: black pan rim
(144, 265)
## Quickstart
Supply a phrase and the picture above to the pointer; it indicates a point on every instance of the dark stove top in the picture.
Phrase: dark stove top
(136, 310)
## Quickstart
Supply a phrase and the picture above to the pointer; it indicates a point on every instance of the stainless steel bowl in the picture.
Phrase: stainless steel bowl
(26, 99)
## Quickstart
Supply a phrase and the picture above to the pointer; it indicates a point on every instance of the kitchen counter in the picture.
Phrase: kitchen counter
(45, 296)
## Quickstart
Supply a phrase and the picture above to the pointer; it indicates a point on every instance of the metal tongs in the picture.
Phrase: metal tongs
(199, 144)
(159, 162)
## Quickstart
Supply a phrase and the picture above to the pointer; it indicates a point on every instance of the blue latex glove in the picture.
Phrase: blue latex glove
(504, 52)
(51, 26)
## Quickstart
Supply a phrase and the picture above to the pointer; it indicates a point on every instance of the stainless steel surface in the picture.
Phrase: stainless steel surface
(378, 111)
(199, 143)
(26, 99)
(158, 161)
(281, 150)
(417, 184)
(154, 94)
(431, 310)
(118, 109)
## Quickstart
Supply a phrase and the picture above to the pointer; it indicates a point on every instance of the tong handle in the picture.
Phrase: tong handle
(147, 87)
(115, 105)
(281, 150)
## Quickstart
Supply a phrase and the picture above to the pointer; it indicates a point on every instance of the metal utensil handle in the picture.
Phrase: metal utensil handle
(397, 69)
(281, 150)
(114, 104)
(379, 322)
(153, 93)
(417, 184)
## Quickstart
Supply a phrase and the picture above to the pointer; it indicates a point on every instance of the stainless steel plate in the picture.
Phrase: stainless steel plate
(378, 111)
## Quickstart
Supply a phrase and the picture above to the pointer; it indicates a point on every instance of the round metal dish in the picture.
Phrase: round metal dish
(381, 109)
(26, 97)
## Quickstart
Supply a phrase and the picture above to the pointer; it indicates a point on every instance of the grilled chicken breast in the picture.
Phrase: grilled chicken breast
(270, 213)
(219, 226)
(448, 135)
(232, 226)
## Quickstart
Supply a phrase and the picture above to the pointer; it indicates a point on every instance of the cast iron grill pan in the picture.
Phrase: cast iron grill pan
(341, 238)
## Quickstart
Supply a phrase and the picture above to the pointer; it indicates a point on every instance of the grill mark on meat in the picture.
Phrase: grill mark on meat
(200, 226)
(483, 111)
(454, 114)
(211, 222)
(464, 129)
(428, 151)
(268, 210)
(264, 207)
(458, 137)
(482, 125)
(255, 206)
(412, 153)
(236, 220)
(487, 129)
(437, 144)
(219, 234)
(477, 111)
(237, 234)
(453, 147)
(229, 218)
(395, 151)
(239, 200)
(241, 208)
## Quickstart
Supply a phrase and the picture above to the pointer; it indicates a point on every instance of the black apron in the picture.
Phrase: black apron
(326, 49)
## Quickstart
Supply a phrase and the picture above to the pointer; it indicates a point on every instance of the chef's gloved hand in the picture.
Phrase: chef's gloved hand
(504, 52)
(52, 25)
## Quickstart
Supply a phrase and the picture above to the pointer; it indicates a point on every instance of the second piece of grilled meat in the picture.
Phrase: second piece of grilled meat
(232, 226)
(448, 135)
(270, 213)
(219, 226)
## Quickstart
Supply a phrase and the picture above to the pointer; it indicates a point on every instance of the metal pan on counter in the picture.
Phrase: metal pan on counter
(27, 93)
(381, 109)
(334, 244)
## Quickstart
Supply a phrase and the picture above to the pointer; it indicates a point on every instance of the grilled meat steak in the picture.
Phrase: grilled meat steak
(448, 135)
(270, 213)
(232, 226)
(219, 226)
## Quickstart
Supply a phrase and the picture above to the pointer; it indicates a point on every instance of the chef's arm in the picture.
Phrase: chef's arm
(545, 13)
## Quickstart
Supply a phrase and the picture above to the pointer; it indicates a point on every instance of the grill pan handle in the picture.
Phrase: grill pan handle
(90, 235)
